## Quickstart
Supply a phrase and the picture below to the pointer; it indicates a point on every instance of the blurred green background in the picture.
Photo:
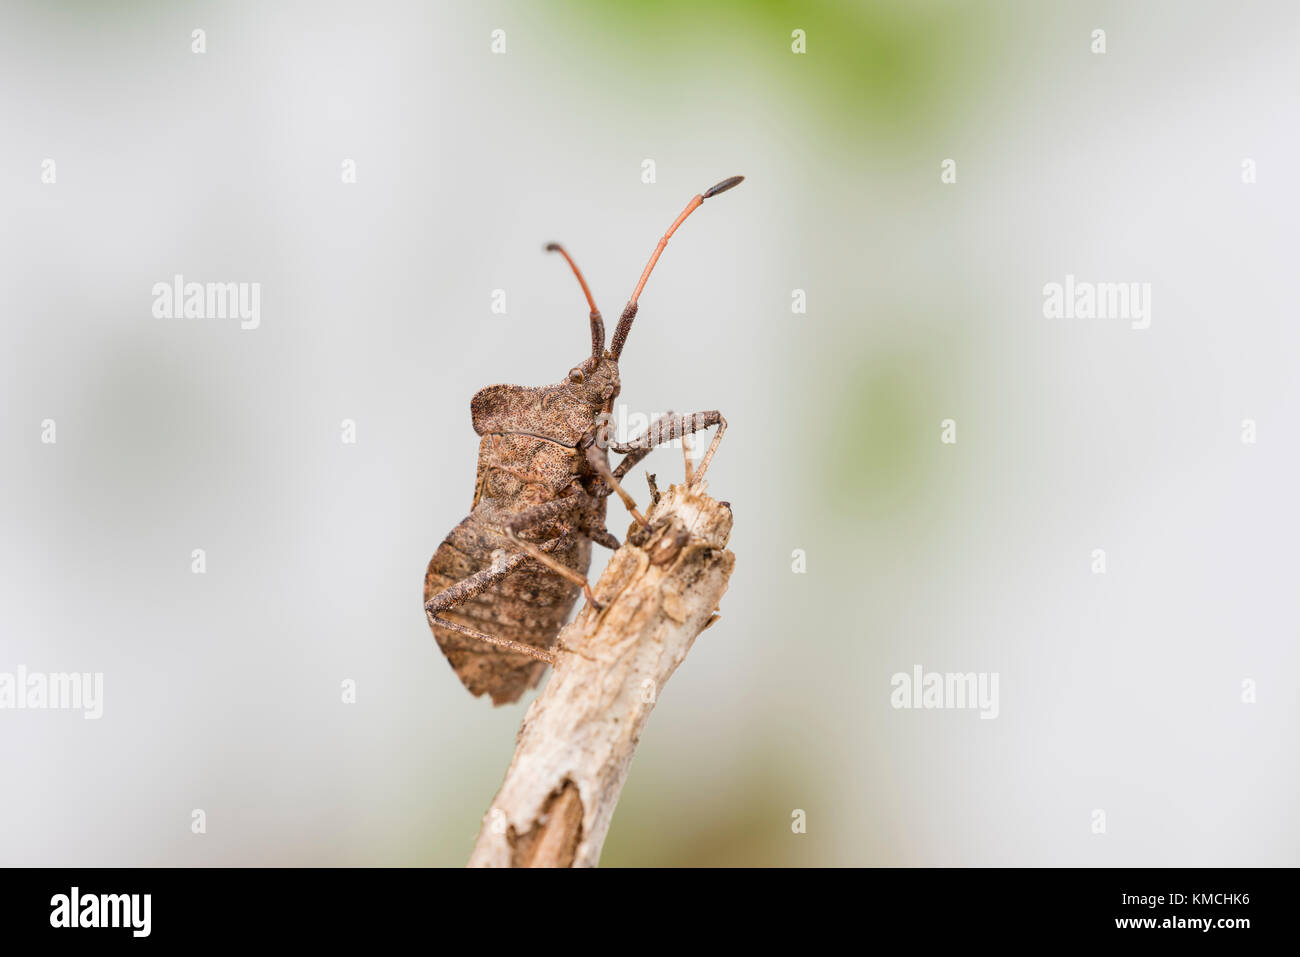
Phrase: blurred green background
(924, 303)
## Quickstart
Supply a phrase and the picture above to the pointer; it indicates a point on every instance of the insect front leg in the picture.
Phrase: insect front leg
(665, 429)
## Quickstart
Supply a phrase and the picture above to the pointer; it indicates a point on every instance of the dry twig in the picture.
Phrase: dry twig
(660, 590)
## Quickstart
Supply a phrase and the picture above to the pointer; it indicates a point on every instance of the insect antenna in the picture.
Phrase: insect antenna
(629, 312)
(597, 323)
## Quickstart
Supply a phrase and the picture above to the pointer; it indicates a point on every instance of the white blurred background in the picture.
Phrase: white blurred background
(1120, 692)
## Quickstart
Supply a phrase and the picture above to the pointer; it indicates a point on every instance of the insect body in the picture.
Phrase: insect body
(504, 581)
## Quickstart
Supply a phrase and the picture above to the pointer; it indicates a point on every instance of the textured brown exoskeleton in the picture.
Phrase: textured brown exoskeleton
(503, 583)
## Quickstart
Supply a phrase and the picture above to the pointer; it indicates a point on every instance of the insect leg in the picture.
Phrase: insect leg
(713, 447)
(597, 459)
(548, 511)
(465, 589)
(665, 429)
(564, 571)
(641, 444)
(603, 536)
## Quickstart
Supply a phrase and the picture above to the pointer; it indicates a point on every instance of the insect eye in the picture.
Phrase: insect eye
(575, 375)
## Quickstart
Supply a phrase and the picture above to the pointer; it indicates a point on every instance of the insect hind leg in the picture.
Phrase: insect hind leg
(467, 588)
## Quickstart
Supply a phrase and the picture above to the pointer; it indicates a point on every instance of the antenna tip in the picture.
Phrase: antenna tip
(722, 187)
(552, 247)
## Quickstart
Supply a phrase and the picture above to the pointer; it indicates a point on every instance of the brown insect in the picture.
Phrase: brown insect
(503, 583)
